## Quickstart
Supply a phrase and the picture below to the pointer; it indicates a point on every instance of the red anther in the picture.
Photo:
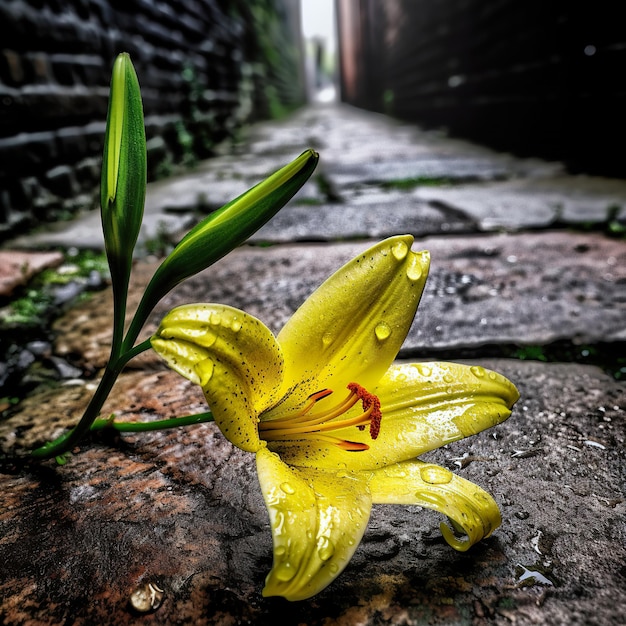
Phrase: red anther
(371, 406)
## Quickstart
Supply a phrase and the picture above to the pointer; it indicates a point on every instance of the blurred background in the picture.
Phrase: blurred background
(534, 77)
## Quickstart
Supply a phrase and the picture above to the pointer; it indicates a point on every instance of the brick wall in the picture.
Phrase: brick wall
(205, 67)
(538, 77)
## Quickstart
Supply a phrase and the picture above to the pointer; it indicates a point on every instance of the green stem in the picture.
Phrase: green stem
(136, 324)
(68, 440)
(120, 295)
(133, 352)
(138, 427)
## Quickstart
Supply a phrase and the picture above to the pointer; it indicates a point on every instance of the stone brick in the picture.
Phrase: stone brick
(5, 206)
(9, 109)
(72, 142)
(101, 11)
(40, 67)
(30, 188)
(94, 135)
(16, 268)
(56, 104)
(87, 173)
(60, 180)
(157, 152)
(185, 505)
(11, 68)
(27, 151)
(63, 71)
(87, 37)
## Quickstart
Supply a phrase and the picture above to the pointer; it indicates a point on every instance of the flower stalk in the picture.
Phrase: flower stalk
(123, 185)
(122, 197)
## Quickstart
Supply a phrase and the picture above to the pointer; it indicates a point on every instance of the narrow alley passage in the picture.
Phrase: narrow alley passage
(527, 278)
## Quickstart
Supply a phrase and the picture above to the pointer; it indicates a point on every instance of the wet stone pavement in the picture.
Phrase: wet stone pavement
(527, 267)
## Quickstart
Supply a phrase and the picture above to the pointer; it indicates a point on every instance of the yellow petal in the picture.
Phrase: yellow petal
(352, 326)
(469, 508)
(317, 521)
(428, 405)
(232, 356)
(424, 406)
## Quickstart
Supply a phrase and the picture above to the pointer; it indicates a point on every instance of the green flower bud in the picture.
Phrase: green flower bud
(123, 185)
(224, 230)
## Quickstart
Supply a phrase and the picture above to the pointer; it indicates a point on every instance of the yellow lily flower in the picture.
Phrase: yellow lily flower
(334, 424)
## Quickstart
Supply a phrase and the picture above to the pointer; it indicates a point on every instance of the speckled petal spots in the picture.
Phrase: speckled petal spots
(471, 510)
(317, 520)
(232, 355)
(353, 325)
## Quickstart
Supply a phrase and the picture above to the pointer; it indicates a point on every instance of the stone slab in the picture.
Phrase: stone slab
(167, 210)
(172, 206)
(427, 168)
(529, 289)
(370, 215)
(182, 509)
(351, 139)
(362, 208)
(18, 267)
(533, 203)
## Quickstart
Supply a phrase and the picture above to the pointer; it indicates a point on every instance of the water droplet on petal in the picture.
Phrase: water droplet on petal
(326, 549)
(400, 250)
(327, 339)
(382, 331)
(285, 572)
(280, 550)
(448, 378)
(478, 371)
(414, 271)
(236, 325)
(433, 498)
(436, 475)
(424, 370)
(279, 523)
(288, 488)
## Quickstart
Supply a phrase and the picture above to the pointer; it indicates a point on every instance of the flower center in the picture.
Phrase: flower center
(306, 423)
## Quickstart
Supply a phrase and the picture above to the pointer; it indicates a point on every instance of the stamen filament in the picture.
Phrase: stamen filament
(304, 425)
(313, 399)
(362, 419)
(329, 414)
